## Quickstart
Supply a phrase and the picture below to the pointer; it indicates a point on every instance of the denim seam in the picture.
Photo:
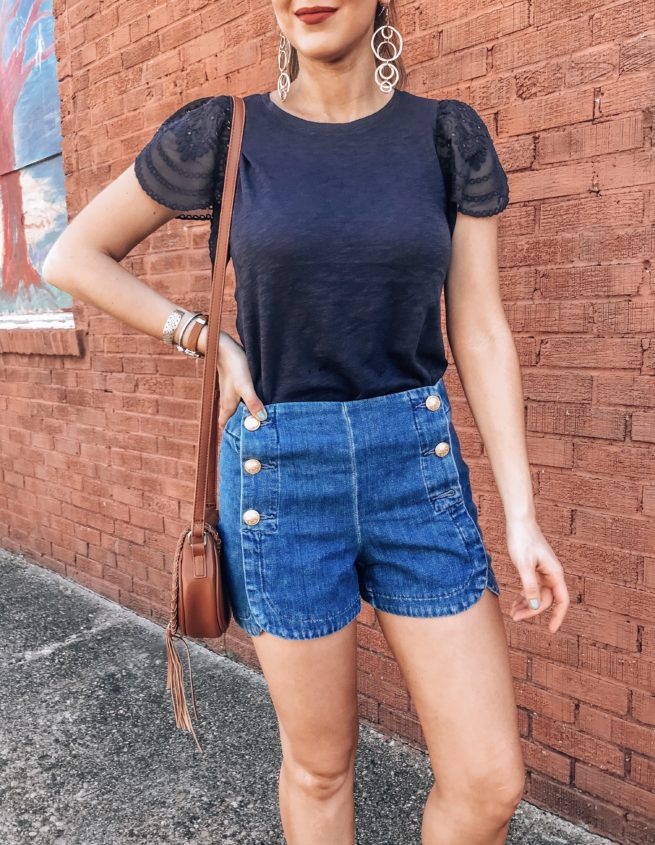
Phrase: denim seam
(273, 515)
(462, 588)
(420, 447)
(437, 598)
(448, 493)
(276, 613)
(353, 464)
(260, 566)
(248, 622)
(260, 563)
(255, 535)
(243, 552)
(237, 415)
(452, 458)
(464, 543)
(448, 510)
(325, 627)
(231, 435)
(343, 612)
(477, 531)
(468, 513)
(462, 500)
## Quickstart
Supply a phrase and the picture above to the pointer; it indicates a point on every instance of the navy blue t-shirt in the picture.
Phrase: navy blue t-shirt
(341, 233)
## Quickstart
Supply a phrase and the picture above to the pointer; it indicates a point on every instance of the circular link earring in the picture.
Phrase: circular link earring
(386, 73)
(283, 59)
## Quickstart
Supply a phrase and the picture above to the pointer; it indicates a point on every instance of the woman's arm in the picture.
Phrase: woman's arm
(487, 363)
(85, 261)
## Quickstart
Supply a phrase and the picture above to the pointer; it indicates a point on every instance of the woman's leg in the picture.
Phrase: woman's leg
(458, 675)
(313, 686)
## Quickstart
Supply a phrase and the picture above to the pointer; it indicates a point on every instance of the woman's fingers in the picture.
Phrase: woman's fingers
(252, 401)
(543, 580)
(542, 575)
(531, 592)
(561, 602)
(235, 384)
(522, 609)
(228, 403)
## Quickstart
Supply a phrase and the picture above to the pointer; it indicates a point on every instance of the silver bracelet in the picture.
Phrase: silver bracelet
(171, 324)
(191, 318)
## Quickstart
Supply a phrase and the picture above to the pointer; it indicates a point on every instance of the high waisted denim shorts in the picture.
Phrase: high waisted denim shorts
(327, 502)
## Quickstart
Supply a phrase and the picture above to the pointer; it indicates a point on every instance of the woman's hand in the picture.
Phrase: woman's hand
(235, 381)
(540, 571)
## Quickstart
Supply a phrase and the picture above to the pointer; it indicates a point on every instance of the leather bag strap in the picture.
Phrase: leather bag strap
(205, 498)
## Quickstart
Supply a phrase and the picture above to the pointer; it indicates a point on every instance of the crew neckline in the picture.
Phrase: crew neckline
(328, 127)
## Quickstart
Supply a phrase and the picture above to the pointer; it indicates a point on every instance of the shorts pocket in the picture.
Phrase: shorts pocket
(432, 418)
(233, 424)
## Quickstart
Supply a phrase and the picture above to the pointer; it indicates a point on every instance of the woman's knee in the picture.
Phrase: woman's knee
(502, 793)
(322, 779)
(490, 794)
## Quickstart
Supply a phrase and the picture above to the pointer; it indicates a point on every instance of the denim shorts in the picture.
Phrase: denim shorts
(327, 502)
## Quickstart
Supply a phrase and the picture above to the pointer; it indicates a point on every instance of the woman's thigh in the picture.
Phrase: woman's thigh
(458, 674)
(313, 686)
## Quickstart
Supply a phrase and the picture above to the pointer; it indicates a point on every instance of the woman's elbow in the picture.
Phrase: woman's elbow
(57, 266)
(48, 271)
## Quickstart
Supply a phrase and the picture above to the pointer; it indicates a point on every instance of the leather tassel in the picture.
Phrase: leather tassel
(175, 683)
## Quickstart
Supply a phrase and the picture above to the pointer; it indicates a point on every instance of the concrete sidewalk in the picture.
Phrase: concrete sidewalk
(89, 753)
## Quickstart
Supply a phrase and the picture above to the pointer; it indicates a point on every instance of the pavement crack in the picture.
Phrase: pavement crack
(49, 649)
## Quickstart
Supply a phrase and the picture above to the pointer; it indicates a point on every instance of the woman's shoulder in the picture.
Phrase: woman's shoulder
(450, 118)
(204, 114)
(459, 130)
(475, 179)
(216, 104)
(459, 122)
(179, 164)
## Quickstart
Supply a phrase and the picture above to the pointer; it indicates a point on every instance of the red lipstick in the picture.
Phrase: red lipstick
(315, 14)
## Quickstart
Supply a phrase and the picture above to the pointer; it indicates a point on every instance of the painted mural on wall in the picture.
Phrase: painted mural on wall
(32, 194)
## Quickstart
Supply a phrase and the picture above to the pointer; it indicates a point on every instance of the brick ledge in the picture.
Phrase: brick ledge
(42, 342)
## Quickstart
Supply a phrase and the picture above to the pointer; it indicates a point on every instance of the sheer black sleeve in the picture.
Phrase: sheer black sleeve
(474, 178)
(183, 165)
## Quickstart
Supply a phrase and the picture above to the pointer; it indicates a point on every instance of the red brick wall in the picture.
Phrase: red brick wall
(97, 460)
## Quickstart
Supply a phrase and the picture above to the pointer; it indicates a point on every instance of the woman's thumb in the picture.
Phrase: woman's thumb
(254, 404)
(531, 590)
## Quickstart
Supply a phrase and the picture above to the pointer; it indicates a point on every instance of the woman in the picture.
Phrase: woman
(341, 471)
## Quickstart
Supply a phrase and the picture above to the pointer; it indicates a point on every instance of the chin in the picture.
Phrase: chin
(323, 47)
(327, 56)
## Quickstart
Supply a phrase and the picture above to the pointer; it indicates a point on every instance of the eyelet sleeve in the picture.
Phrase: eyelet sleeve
(474, 178)
(183, 161)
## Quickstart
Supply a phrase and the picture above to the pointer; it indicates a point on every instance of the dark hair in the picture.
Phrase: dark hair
(393, 20)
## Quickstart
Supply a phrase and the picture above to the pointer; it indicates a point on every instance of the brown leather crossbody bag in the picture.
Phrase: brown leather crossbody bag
(199, 604)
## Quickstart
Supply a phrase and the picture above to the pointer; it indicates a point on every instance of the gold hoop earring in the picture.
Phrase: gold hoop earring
(283, 59)
(386, 73)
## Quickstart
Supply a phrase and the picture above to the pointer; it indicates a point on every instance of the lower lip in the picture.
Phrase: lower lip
(317, 17)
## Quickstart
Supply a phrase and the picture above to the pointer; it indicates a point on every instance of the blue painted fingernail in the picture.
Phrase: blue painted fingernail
(262, 414)
(534, 603)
